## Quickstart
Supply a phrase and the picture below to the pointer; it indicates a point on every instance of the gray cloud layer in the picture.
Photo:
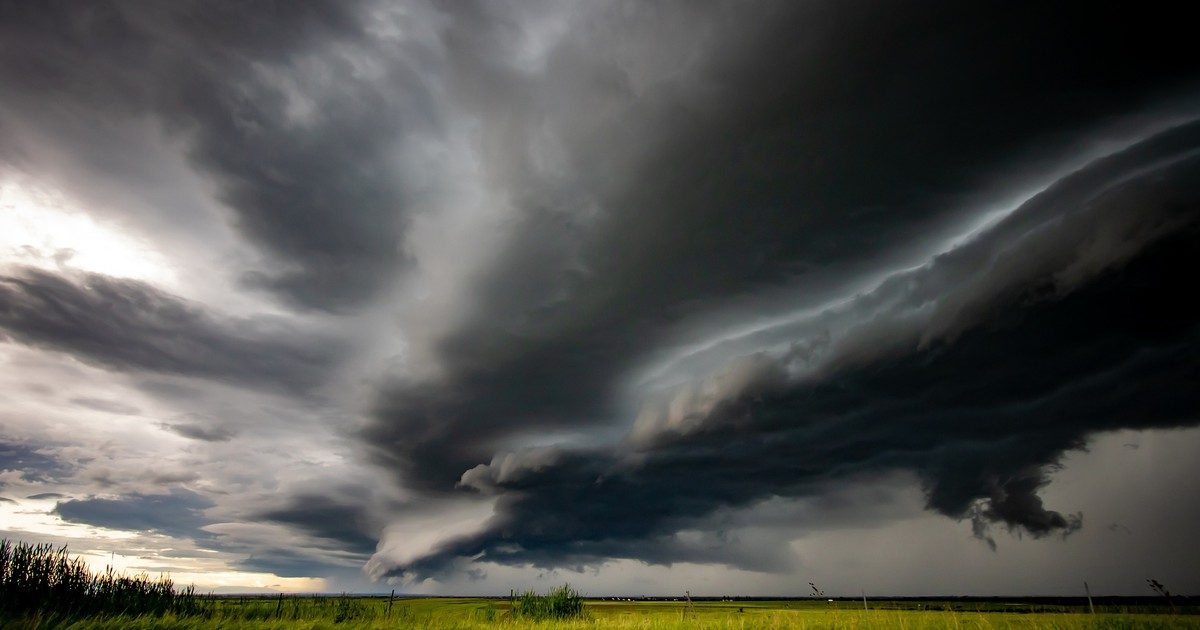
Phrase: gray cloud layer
(178, 513)
(130, 325)
(29, 461)
(300, 144)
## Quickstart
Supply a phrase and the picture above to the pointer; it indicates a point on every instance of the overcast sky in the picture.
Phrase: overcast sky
(458, 297)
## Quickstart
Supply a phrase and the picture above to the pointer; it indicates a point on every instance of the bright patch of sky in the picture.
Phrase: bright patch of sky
(42, 229)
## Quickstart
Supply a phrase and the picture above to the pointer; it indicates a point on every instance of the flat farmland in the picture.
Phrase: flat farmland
(338, 612)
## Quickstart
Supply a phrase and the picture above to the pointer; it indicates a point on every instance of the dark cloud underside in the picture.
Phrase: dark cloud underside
(344, 522)
(31, 462)
(979, 411)
(178, 513)
(130, 325)
(808, 140)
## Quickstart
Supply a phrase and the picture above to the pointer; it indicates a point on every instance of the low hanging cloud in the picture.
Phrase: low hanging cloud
(976, 372)
(645, 286)
(347, 523)
(177, 513)
(642, 197)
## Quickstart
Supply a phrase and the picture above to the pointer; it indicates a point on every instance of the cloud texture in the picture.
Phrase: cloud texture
(506, 288)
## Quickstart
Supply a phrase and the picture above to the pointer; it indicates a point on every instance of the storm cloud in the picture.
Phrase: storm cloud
(263, 118)
(130, 325)
(769, 173)
(976, 371)
(481, 290)
(344, 522)
(30, 462)
(180, 512)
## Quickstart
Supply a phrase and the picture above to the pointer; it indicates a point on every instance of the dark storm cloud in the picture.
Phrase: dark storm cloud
(284, 562)
(30, 460)
(130, 325)
(179, 513)
(345, 522)
(273, 100)
(976, 372)
(799, 142)
(342, 529)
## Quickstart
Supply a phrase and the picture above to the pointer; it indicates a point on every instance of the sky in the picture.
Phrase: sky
(728, 297)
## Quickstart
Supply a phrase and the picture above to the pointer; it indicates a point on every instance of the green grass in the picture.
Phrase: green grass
(467, 613)
(42, 587)
(563, 602)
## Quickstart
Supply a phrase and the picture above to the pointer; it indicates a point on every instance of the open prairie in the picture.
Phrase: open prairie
(444, 613)
(45, 587)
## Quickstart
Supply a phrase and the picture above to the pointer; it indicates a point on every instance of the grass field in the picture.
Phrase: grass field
(445, 613)
(44, 587)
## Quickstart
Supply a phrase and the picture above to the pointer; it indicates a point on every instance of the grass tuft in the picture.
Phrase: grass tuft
(563, 602)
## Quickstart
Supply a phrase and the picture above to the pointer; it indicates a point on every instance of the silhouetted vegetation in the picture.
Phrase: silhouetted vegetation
(43, 580)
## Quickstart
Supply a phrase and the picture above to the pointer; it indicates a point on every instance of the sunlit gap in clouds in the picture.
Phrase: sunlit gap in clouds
(131, 552)
(36, 515)
(39, 228)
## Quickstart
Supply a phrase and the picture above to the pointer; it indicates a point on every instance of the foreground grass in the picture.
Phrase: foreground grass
(35, 579)
(464, 613)
(42, 587)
